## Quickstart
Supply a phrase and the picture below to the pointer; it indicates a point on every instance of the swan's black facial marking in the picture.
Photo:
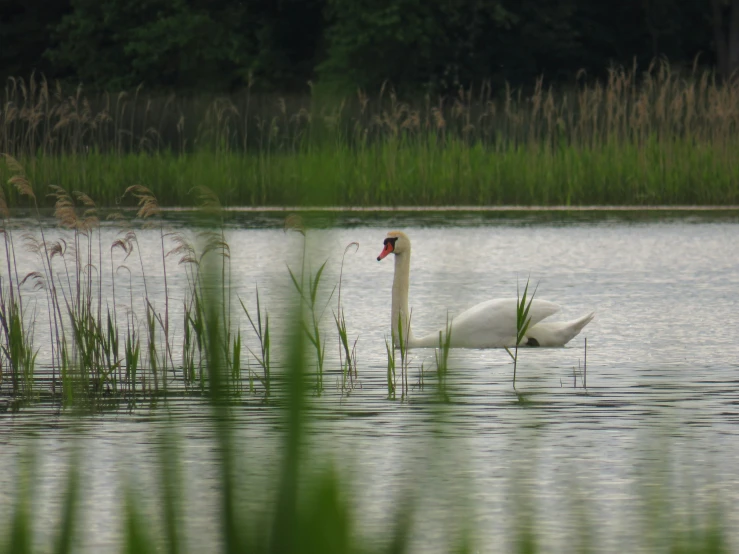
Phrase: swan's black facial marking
(388, 248)
(532, 342)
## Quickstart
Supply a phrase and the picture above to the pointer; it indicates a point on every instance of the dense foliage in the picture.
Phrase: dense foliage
(419, 45)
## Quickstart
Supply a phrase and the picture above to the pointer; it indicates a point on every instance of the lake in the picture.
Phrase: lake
(658, 424)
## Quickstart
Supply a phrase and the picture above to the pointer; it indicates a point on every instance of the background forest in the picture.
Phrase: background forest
(417, 45)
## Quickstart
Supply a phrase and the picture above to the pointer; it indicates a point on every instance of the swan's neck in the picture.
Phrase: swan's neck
(400, 316)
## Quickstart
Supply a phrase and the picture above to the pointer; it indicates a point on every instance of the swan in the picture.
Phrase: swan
(489, 324)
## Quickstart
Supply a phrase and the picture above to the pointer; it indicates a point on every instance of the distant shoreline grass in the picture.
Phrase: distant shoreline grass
(672, 175)
(640, 138)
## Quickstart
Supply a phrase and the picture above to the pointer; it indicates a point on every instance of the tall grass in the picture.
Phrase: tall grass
(441, 355)
(99, 346)
(262, 357)
(347, 355)
(650, 136)
(106, 346)
(523, 320)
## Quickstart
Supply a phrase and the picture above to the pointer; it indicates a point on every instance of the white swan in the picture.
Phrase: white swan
(490, 324)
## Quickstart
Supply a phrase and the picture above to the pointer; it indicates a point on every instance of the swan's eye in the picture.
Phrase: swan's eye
(391, 240)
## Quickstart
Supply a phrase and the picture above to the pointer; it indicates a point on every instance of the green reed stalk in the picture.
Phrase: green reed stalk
(170, 477)
(17, 347)
(391, 379)
(442, 359)
(402, 345)
(20, 540)
(347, 356)
(24, 188)
(309, 298)
(188, 345)
(64, 543)
(235, 361)
(132, 354)
(523, 320)
(152, 345)
(262, 332)
(136, 535)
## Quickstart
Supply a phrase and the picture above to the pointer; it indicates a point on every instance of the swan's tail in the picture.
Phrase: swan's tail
(557, 333)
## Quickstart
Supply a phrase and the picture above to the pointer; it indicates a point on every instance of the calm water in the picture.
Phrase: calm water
(660, 415)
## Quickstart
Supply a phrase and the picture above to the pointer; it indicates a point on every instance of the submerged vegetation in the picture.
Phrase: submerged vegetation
(641, 137)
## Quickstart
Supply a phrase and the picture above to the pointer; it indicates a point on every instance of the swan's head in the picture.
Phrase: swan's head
(396, 242)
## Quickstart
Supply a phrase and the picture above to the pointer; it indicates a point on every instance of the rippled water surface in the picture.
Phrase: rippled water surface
(659, 418)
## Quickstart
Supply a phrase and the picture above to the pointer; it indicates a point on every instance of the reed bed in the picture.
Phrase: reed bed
(101, 345)
(640, 137)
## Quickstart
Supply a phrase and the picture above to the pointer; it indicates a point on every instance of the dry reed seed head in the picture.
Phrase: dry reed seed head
(438, 116)
(207, 199)
(183, 248)
(4, 211)
(124, 243)
(363, 100)
(11, 113)
(412, 121)
(294, 222)
(13, 164)
(23, 186)
(274, 128)
(213, 243)
(116, 216)
(101, 117)
(58, 248)
(36, 278)
(84, 199)
(145, 145)
(90, 222)
(63, 121)
(188, 260)
(86, 110)
(65, 214)
(148, 205)
(304, 115)
(63, 205)
(31, 243)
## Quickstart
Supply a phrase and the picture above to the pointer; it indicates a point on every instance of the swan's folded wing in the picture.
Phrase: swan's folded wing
(493, 323)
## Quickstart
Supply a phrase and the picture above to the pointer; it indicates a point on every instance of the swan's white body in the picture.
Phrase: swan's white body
(490, 324)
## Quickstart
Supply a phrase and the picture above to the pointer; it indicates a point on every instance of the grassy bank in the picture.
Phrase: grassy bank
(640, 138)
(420, 173)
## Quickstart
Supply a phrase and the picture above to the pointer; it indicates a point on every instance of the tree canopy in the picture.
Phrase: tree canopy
(418, 45)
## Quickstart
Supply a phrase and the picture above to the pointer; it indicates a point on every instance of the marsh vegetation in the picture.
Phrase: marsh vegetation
(641, 137)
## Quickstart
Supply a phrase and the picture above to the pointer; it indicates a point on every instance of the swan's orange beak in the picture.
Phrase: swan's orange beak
(385, 251)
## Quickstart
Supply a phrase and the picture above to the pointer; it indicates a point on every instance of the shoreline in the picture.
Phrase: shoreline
(492, 209)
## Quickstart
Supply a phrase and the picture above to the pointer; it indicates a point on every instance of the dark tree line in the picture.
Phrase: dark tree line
(220, 45)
